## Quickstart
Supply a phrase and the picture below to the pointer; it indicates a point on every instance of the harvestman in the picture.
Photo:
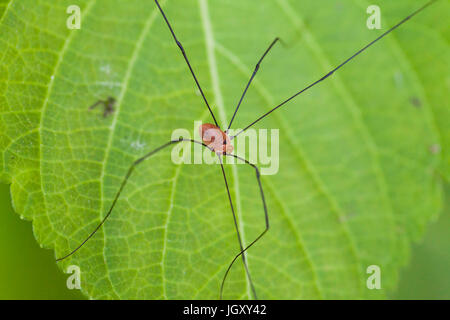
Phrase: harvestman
(218, 141)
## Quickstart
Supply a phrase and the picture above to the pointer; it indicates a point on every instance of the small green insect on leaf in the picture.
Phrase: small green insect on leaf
(363, 155)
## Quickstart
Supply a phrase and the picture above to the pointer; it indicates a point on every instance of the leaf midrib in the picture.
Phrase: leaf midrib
(210, 50)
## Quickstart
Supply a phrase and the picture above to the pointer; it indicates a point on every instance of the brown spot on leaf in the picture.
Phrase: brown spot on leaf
(435, 148)
(415, 102)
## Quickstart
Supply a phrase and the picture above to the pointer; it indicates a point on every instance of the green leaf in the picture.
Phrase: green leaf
(363, 155)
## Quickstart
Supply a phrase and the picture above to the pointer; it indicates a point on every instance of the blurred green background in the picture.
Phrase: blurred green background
(29, 272)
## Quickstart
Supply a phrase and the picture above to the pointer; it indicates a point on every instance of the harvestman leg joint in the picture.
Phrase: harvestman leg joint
(218, 141)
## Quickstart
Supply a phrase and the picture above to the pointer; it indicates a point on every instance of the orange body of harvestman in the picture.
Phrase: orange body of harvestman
(217, 140)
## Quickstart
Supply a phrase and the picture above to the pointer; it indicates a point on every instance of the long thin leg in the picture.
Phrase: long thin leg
(251, 79)
(96, 104)
(124, 182)
(265, 214)
(244, 260)
(187, 62)
(337, 68)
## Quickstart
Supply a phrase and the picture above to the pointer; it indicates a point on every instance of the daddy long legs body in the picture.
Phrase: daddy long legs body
(218, 141)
